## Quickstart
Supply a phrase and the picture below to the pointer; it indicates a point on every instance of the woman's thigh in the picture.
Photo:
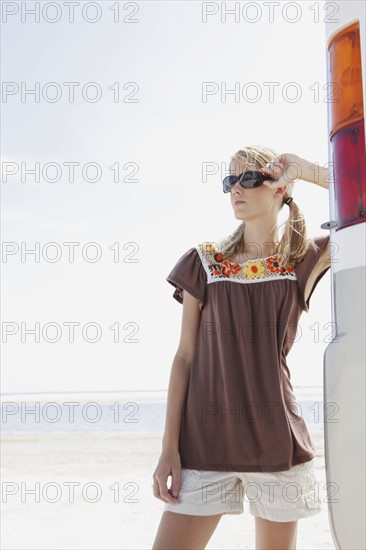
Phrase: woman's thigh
(177, 531)
(274, 535)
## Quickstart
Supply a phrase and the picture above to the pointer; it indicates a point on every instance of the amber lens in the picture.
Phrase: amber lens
(345, 75)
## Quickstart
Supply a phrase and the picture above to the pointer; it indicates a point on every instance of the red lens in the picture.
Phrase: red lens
(348, 148)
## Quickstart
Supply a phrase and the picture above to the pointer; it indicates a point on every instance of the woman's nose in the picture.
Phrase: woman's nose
(237, 186)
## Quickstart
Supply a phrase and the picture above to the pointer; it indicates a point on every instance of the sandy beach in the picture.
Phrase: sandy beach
(94, 491)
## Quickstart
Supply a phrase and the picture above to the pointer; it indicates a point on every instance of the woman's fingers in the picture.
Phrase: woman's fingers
(161, 491)
(274, 166)
(175, 481)
(284, 169)
(274, 169)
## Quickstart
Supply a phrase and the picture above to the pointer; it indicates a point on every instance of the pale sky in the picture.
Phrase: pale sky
(161, 141)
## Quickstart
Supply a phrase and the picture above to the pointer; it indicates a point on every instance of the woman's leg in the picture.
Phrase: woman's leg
(184, 532)
(275, 535)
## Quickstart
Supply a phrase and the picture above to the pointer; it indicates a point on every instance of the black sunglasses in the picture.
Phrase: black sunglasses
(248, 180)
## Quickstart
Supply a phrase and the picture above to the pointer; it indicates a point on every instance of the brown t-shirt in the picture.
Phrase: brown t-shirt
(239, 412)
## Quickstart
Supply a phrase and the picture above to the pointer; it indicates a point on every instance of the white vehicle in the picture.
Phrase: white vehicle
(344, 357)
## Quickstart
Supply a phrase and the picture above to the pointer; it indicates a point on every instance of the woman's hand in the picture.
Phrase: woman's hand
(284, 168)
(169, 464)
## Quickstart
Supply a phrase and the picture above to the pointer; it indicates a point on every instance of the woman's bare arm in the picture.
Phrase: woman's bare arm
(294, 168)
(179, 375)
(178, 382)
(169, 461)
(313, 173)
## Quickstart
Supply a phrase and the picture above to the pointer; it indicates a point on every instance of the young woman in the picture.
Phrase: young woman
(232, 426)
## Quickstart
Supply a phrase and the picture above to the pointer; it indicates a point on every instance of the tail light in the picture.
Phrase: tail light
(346, 121)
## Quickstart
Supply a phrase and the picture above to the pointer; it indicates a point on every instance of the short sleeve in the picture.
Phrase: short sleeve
(312, 265)
(189, 274)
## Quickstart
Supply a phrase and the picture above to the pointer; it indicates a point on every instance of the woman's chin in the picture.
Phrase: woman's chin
(239, 216)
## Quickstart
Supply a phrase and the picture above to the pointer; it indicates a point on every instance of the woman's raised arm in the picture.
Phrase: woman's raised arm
(289, 167)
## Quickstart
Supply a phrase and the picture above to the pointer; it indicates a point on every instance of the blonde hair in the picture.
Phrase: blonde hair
(293, 243)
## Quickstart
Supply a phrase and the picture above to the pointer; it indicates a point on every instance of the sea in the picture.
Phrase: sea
(135, 411)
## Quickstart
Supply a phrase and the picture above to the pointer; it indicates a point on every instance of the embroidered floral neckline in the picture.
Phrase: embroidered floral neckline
(256, 269)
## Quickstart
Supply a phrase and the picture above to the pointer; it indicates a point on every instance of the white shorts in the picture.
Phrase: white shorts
(277, 496)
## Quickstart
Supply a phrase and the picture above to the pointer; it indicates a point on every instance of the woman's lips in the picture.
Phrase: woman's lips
(239, 202)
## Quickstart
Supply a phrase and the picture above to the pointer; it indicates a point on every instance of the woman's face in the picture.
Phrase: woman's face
(249, 204)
